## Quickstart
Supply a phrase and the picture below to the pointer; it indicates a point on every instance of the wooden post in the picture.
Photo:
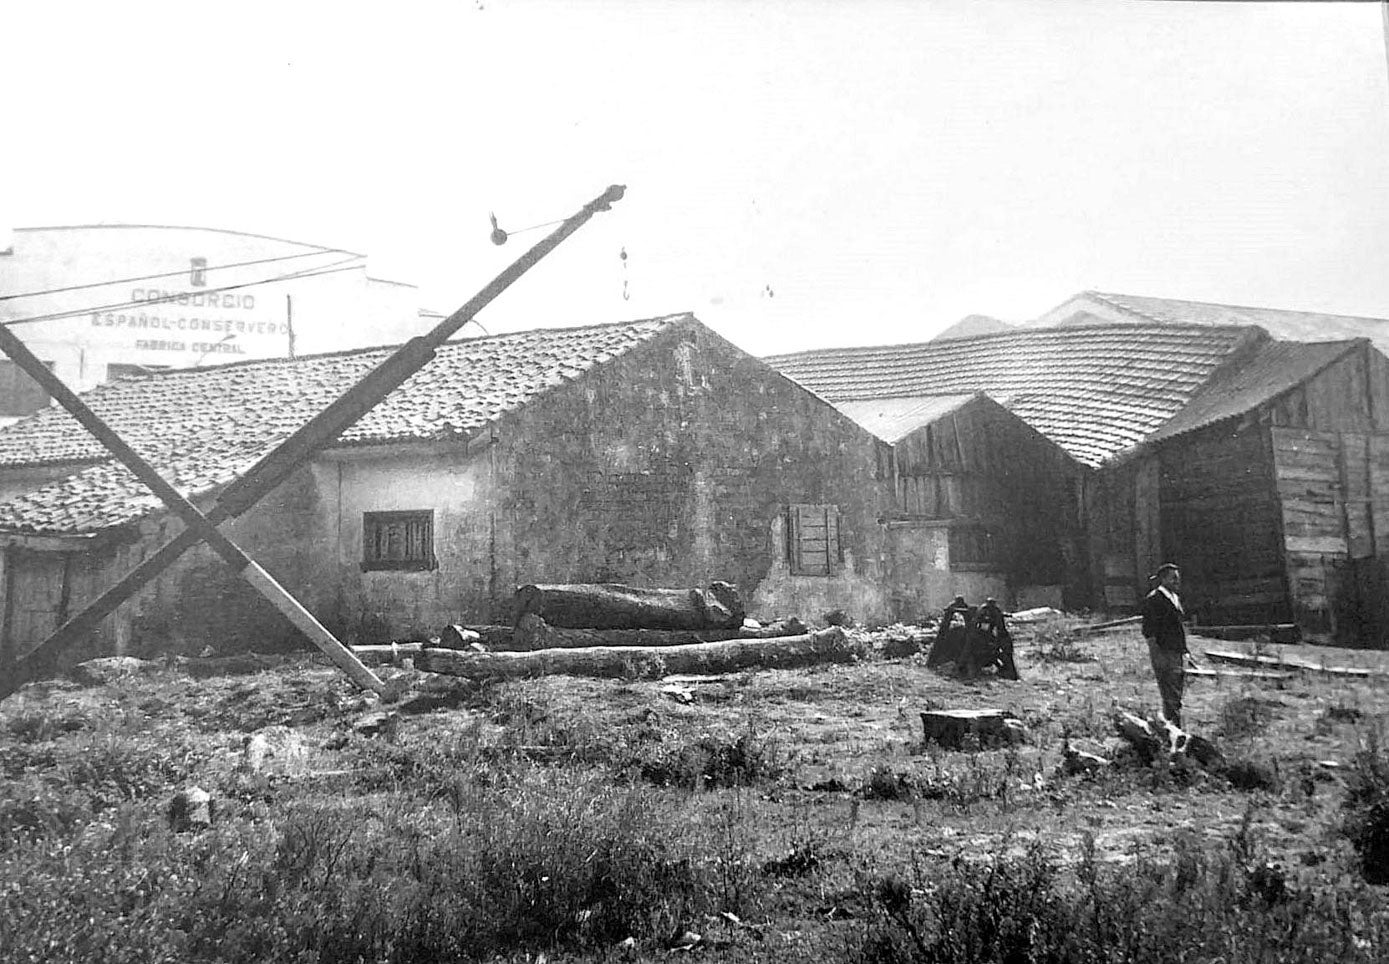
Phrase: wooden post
(274, 467)
(8, 656)
(191, 516)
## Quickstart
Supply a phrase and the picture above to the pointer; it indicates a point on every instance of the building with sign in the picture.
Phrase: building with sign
(100, 301)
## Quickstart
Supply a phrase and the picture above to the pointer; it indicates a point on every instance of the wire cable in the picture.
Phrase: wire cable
(171, 274)
(94, 309)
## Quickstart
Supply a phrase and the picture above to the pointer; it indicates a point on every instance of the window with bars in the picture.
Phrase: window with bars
(814, 546)
(20, 394)
(399, 541)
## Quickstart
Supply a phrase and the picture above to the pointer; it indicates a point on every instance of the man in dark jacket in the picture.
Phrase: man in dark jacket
(1166, 636)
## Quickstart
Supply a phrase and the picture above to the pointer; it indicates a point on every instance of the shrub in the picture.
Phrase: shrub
(540, 859)
(712, 761)
(1241, 717)
(1250, 774)
(884, 783)
(1059, 646)
(1367, 809)
(1197, 905)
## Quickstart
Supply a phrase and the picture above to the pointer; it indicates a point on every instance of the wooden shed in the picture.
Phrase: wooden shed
(982, 504)
(1270, 489)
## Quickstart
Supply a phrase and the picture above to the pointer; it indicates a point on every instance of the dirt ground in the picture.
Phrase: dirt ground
(844, 741)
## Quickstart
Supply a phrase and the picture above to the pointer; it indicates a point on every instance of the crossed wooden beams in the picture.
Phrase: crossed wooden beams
(260, 479)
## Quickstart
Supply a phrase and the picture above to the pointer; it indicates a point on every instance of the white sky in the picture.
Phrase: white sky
(884, 168)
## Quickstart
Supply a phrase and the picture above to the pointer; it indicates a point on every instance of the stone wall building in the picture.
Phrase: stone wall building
(651, 452)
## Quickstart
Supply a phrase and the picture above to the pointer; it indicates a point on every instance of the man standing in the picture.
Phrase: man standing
(1166, 636)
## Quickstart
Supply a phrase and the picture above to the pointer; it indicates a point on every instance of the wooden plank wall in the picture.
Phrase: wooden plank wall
(1221, 524)
(1331, 455)
(983, 464)
(1109, 511)
(1314, 516)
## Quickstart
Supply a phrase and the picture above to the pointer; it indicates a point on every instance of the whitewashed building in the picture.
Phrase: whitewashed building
(100, 301)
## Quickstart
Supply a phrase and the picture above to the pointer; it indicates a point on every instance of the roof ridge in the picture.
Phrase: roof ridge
(1109, 300)
(1056, 332)
(1108, 297)
(347, 352)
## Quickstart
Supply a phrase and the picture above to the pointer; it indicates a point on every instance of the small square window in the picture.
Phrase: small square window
(814, 547)
(399, 541)
(197, 272)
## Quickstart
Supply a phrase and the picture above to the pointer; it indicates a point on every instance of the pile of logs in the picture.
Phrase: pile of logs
(620, 631)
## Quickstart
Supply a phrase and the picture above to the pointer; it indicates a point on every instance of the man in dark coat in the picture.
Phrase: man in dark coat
(1166, 636)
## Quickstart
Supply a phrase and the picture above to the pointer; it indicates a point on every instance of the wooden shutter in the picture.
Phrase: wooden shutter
(815, 542)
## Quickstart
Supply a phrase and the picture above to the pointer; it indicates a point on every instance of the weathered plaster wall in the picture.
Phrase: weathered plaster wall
(456, 487)
(672, 465)
(924, 581)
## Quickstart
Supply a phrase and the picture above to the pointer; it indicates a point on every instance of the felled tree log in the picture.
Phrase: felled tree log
(532, 632)
(1112, 624)
(827, 646)
(1153, 738)
(1285, 663)
(611, 606)
(952, 728)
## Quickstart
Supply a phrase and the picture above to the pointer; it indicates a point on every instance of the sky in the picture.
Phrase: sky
(799, 174)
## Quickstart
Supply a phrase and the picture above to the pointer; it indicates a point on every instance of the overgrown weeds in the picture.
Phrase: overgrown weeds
(1366, 807)
(543, 858)
(1056, 641)
(1244, 717)
(1197, 905)
(715, 760)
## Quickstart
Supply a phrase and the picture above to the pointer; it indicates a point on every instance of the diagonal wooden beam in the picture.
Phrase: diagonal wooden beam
(273, 468)
(196, 522)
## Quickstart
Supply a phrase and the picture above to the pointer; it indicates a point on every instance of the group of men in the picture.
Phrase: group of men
(978, 638)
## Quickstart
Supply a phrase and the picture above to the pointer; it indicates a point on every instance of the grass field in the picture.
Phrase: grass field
(760, 816)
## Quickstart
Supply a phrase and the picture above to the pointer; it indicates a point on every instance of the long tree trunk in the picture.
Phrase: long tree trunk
(827, 646)
(612, 606)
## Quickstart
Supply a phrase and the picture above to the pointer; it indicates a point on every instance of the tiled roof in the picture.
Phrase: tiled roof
(1278, 322)
(203, 427)
(1277, 367)
(1095, 391)
(893, 419)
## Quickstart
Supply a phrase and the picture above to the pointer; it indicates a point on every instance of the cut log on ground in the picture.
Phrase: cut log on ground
(1261, 674)
(532, 633)
(827, 646)
(612, 606)
(1286, 663)
(1112, 624)
(1280, 633)
(953, 728)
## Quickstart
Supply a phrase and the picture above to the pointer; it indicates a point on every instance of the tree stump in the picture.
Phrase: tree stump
(952, 728)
